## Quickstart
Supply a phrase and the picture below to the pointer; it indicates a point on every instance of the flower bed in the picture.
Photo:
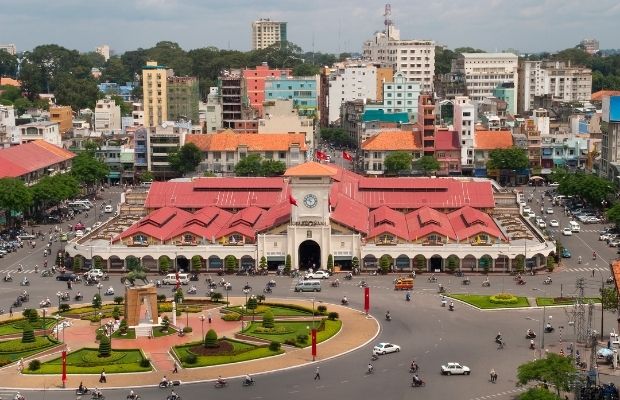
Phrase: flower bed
(87, 361)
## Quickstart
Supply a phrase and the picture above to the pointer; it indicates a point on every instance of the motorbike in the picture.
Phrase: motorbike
(167, 384)
(348, 277)
(83, 391)
(247, 287)
(17, 302)
(549, 329)
(271, 283)
(220, 384)
(78, 297)
(46, 273)
(521, 282)
(610, 280)
(374, 357)
(530, 335)
(547, 281)
(8, 279)
(486, 284)
(248, 382)
(466, 281)
(192, 290)
(65, 297)
(418, 383)
(335, 284)
(344, 302)
(133, 397)
(25, 282)
(267, 290)
(109, 292)
(451, 307)
(45, 303)
(441, 289)
(532, 345)
(194, 277)
(432, 279)
(363, 284)
(171, 397)
(408, 297)
(388, 317)
(97, 396)
(212, 285)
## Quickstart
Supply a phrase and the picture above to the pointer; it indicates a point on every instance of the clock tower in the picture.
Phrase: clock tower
(309, 232)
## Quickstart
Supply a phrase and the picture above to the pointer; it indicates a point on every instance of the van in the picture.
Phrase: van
(85, 202)
(310, 285)
(77, 205)
(171, 279)
(574, 226)
(108, 209)
(403, 284)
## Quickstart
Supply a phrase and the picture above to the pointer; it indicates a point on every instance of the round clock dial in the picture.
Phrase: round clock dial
(310, 200)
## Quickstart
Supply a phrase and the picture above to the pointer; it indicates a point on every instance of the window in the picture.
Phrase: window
(309, 234)
(282, 154)
(142, 239)
(188, 238)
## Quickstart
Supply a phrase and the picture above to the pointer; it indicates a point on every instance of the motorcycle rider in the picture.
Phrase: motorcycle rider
(451, 306)
(530, 333)
(370, 368)
(594, 255)
(221, 380)
(81, 388)
(416, 380)
(388, 316)
(414, 366)
(532, 345)
(548, 327)
(408, 296)
(579, 260)
(131, 395)
(248, 379)
(345, 300)
(173, 395)
(164, 381)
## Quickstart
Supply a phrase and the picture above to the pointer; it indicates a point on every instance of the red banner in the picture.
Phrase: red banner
(321, 155)
(366, 299)
(178, 280)
(313, 343)
(64, 367)
(292, 200)
(347, 156)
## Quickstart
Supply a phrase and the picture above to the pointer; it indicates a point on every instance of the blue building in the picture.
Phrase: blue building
(302, 90)
(114, 89)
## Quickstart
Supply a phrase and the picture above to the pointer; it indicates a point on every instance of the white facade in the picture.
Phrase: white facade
(541, 120)
(282, 117)
(137, 114)
(104, 50)
(349, 82)
(266, 32)
(465, 125)
(399, 96)
(556, 79)
(414, 58)
(7, 124)
(9, 48)
(483, 72)
(212, 111)
(47, 131)
(107, 117)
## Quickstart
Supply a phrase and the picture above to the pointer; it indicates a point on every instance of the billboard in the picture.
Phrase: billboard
(611, 109)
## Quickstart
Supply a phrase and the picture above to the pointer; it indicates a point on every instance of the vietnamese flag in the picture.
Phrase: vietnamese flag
(320, 155)
(347, 156)
(292, 200)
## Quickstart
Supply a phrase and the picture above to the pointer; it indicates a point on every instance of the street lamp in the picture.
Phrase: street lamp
(253, 308)
(186, 315)
(59, 295)
(100, 315)
(44, 322)
(542, 323)
(202, 326)
(58, 329)
(602, 309)
(99, 286)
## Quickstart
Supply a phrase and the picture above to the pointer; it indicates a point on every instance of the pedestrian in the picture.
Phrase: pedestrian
(20, 365)
(176, 368)
(593, 273)
(209, 317)
(493, 375)
(317, 375)
(102, 378)
(11, 311)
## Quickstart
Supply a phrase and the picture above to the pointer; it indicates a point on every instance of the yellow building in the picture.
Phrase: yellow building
(384, 74)
(63, 115)
(154, 93)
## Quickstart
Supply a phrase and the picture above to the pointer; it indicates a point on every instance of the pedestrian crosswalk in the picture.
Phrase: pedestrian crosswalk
(582, 230)
(584, 269)
(15, 271)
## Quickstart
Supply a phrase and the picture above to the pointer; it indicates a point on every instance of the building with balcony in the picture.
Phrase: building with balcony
(137, 114)
(231, 90)
(317, 211)
(162, 141)
(378, 147)
(302, 91)
(107, 117)
(426, 122)
(155, 93)
(483, 72)
(447, 152)
(63, 115)
(399, 96)
(8, 129)
(34, 160)
(44, 130)
(225, 149)
(266, 32)
(255, 81)
(183, 98)
(506, 92)
(464, 114)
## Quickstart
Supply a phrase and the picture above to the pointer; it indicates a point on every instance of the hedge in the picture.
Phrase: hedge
(503, 298)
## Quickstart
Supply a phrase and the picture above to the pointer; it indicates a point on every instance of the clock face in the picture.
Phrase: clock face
(310, 201)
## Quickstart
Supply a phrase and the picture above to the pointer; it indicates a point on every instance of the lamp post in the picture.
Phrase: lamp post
(44, 323)
(59, 295)
(253, 308)
(542, 323)
(202, 326)
(186, 315)
(602, 309)
(58, 327)
(99, 286)
(100, 315)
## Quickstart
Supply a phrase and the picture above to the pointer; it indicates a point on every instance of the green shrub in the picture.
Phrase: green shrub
(260, 298)
(275, 346)
(145, 363)
(231, 316)
(116, 313)
(64, 307)
(503, 298)
(322, 309)
(98, 336)
(31, 314)
(217, 297)
(187, 329)
(268, 319)
(161, 298)
(191, 358)
(105, 347)
(119, 299)
(278, 330)
(290, 342)
(178, 312)
(123, 326)
(165, 323)
(28, 334)
(333, 316)
(5, 361)
(34, 365)
(211, 339)
(302, 338)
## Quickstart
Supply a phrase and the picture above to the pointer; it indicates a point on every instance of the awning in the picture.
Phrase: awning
(536, 178)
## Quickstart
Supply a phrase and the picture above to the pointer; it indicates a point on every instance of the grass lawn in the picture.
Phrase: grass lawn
(550, 301)
(158, 333)
(483, 302)
(14, 349)
(291, 330)
(16, 326)
(278, 311)
(241, 352)
(87, 361)
(131, 334)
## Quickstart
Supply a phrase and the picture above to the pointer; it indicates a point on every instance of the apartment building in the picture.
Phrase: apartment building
(349, 81)
(63, 115)
(182, 98)
(154, 93)
(301, 90)
(107, 116)
(254, 84)
(378, 147)
(9, 48)
(104, 50)
(414, 58)
(7, 125)
(556, 79)
(45, 130)
(266, 32)
(137, 114)
(465, 125)
(610, 146)
(483, 72)
(283, 116)
(163, 140)
(399, 96)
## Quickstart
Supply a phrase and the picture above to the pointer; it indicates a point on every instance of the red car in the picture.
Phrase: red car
(79, 226)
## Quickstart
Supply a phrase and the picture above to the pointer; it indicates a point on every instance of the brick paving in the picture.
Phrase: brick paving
(356, 330)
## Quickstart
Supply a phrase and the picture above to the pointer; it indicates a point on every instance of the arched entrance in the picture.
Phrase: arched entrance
(309, 255)
(436, 263)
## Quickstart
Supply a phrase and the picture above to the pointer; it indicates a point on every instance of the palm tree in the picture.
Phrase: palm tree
(135, 271)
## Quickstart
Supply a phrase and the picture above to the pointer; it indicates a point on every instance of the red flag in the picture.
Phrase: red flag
(313, 344)
(320, 155)
(347, 156)
(366, 299)
(64, 367)
(292, 200)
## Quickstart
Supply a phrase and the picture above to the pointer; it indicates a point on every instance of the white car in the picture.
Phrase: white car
(318, 275)
(541, 224)
(549, 210)
(554, 223)
(108, 209)
(453, 368)
(526, 210)
(95, 273)
(384, 348)
(567, 232)
(79, 233)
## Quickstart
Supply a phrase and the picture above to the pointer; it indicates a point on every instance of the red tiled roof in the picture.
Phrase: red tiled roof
(447, 140)
(20, 160)
(491, 140)
(276, 215)
(310, 168)
(468, 222)
(230, 141)
(350, 213)
(386, 220)
(237, 183)
(242, 222)
(159, 224)
(205, 223)
(598, 96)
(393, 140)
(425, 221)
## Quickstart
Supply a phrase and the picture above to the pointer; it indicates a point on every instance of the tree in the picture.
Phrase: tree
(211, 339)
(589, 187)
(427, 164)
(96, 301)
(262, 264)
(8, 64)
(330, 263)
(537, 393)
(77, 93)
(164, 264)
(305, 69)
(557, 370)
(287, 265)
(179, 296)
(355, 262)
(250, 165)
(609, 298)
(613, 214)
(165, 323)
(443, 60)
(251, 305)
(384, 263)
(231, 263)
(512, 158)
(115, 71)
(87, 169)
(397, 162)
(196, 263)
(125, 108)
(272, 168)
(14, 195)
(337, 137)
(186, 159)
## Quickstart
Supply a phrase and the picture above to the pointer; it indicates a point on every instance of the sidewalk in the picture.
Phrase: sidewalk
(356, 331)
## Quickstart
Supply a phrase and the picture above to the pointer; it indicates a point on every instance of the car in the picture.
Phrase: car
(567, 232)
(531, 214)
(385, 348)
(108, 209)
(604, 236)
(97, 224)
(614, 243)
(554, 223)
(66, 277)
(565, 253)
(542, 224)
(79, 233)
(454, 368)
(549, 210)
(320, 274)
(64, 237)
(96, 273)
(526, 210)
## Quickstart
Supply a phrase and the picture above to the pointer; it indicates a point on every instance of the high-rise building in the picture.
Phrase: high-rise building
(266, 32)
(350, 81)
(107, 116)
(9, 48)
(154, 93)
(465, 125)
(104, 50)
(255, 83)
(557, 79)
(483, 72)
(183, 98)
(414, 58)
(301, 90)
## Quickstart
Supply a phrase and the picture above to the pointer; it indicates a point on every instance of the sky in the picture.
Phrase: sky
(321, 25)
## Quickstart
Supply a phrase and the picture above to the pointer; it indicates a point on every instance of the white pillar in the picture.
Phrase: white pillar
(174, 313)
